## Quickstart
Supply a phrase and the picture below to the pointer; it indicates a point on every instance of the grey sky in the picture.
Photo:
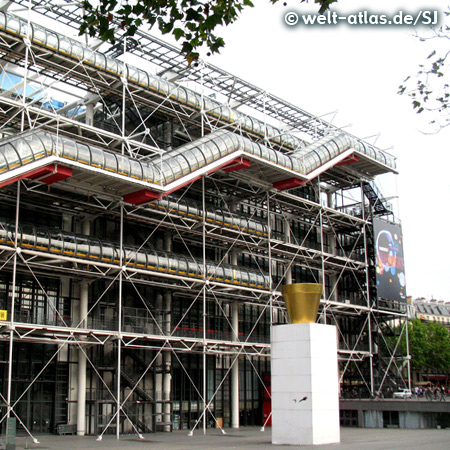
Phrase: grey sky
(357, 70)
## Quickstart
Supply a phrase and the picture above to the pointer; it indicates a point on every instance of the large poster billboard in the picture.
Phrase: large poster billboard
(390, 263)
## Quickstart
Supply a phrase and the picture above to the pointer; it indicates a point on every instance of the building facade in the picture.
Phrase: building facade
(150, 213)
(430, 311)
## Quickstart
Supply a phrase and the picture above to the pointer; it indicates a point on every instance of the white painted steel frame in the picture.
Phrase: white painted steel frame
(208, 346)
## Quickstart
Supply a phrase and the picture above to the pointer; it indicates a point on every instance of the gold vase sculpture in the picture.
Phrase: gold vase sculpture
(302, 301)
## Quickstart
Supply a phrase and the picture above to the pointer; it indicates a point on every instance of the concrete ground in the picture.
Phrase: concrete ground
(248, 438)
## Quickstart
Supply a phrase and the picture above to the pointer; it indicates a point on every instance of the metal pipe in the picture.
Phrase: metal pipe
(287, 238)
(322, 275)
(408, 356)
(366, 260)
(55, 42)
(167, 356)
(159, 366)
(81, 385)
(13, 302)
(81, 394)
(235, 368)
(119, 340)
(204, 368)
(234, 338)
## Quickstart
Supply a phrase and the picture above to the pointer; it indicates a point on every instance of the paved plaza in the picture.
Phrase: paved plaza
(248, 438)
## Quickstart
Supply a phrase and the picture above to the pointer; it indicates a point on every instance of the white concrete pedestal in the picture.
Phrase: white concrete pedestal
(304, 364)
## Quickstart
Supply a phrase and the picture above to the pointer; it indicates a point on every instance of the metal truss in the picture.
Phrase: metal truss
(238, 220)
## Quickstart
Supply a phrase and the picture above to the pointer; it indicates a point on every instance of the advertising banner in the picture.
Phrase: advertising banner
(390, 263)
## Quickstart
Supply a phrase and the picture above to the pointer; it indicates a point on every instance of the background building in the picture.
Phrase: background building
(431, 311)
(150, 213)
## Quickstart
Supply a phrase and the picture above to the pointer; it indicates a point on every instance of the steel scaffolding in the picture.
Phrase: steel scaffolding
(147, 226)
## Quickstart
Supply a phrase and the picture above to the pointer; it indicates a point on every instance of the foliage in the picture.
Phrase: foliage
(429, 346)
(429, 88)
(191, 21)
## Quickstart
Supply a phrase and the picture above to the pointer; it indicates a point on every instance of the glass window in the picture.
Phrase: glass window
(82, 247)
(123, 165)
(77, 50)
(69, 149)
(84, 153)
(135, 169)
(11, 155)
(110, 161)
(98, 159)
(69, 246)
(13, 24)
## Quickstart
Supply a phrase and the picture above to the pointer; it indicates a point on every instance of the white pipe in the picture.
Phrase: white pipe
(287, 237)
(89, 118)
(81, 392)
(167, 357)
(159, 367)
(166, 387)
(235, 369)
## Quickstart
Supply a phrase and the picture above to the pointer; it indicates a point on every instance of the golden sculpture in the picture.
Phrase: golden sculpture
(302, 301)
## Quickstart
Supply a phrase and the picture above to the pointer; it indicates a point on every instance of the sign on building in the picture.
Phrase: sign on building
(390, 263)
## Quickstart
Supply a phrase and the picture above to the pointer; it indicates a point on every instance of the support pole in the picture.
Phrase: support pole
(16, 229)
(90, 114)
(366, 261)
(122, 262)
(13, 301)
(81, 394)
(84, 300)
(159, 365)
(235, 369)
(269, 251)
(205, 271)
(119, 326)
(322, 275)
(234, 338)
(166, 387)
(167, 357)
(81, 388)
(333, 292)
(408, 356)
(287, 238)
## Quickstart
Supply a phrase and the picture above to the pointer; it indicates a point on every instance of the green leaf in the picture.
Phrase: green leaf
(178, 33)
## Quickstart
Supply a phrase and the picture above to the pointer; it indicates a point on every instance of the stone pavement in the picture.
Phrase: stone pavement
(250, 438)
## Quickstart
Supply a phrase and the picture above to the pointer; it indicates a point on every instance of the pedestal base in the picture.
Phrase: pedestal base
(304, 364)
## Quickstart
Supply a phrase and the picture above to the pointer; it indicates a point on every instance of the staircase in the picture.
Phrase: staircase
(379, 205)
(130, 382)
(136, 357)
(141, 426)
(61, 393)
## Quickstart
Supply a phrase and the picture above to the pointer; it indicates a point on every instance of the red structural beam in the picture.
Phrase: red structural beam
(288, 183)
(52, 173)
(237, 164)
(48, 174)
(142, 196)
(146, 195)
(348, 160)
